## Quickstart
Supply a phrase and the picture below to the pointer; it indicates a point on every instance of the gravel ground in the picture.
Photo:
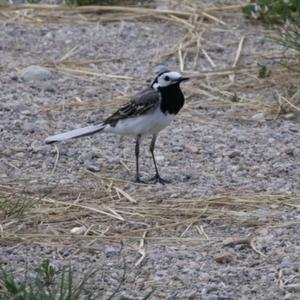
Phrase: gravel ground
(217, 154)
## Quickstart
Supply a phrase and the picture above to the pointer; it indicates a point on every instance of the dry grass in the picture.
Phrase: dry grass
(109, 213)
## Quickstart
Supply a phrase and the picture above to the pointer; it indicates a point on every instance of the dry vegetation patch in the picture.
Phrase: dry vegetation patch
(112, 214)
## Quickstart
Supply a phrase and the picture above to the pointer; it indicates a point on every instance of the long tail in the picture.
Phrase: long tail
(74, 133)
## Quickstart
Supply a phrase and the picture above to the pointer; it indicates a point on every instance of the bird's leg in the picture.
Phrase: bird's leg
(157, 177)
(137, 153)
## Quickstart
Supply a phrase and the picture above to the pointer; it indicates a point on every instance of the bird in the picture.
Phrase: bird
(147, 113)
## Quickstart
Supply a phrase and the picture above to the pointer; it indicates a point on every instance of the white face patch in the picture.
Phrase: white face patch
(167, 79)
(155, 85)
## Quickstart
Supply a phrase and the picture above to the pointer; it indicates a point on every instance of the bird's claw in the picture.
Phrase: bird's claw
(138, 180)
(158, 179)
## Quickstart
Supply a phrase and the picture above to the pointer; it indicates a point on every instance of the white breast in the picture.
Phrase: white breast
(148, 124)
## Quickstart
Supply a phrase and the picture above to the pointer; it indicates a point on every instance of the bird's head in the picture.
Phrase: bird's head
(166, 78)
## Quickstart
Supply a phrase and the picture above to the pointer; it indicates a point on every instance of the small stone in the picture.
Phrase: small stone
(14, 78)
(224, 258)
(78, 230)
(49, 35)
(49, 88)
(207, 139)
(242, 138)
(71, 152)
(37, 148)
(260, 175)
(286, 263)
(289, 116)
(93, 168)
(233, 154)
(212, 287)
(293, 287)
(177, 149)
(86, 157)
(91, 91)
(293, 129)
(35, 73)
(281, 167)
(289, 296)
(26, 112)
(192, 149)
(289, 151)
(159, 157)
(259, 117)
(20, 108)
(30, 127)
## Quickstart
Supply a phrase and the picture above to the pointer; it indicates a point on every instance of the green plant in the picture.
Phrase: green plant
(15, 205)
(47, 272)
(263, 71)
(103, 2)
(33, 1)
(234, 98)
(44, 283)
(283, 15)
(273, 11)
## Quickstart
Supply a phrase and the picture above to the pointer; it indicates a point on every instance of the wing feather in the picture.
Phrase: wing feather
(142, 103)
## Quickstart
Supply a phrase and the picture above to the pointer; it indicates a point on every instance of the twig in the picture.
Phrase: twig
(126, 195)
(142, 250)
(208, 58)
(213, 18)
(288, 102)
(237, 57)
(115, 216)
(255, 249)
(56, 159)
(181, 62)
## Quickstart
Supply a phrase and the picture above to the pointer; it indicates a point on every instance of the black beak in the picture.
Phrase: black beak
(183, 79)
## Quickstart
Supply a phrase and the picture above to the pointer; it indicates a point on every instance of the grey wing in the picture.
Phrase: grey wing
(142, 103)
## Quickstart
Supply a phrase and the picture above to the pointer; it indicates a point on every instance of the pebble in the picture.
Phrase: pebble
(50, 88)
(91, 167)
(35, 73)
(36, 147)
(212, 287)
(71, 152)
(259, 117)
(91, 91)
(30, 127)
(233, 154)
(20, 108)
(286, 263)
(224, 258)
(50, 35)
(242, 138)
(293, 129)
(281, 167)
(289, 116)
(293, 287)
(87, 157)
(78, 230)
(289, 296)
(192, 148)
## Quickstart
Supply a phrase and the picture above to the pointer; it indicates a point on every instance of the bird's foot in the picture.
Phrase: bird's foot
(158, 179)
(139, 180)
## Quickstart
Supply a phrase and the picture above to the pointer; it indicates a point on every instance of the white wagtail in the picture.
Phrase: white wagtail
(147, 113)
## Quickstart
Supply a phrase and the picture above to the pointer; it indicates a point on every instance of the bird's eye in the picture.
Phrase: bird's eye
(167, 78)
